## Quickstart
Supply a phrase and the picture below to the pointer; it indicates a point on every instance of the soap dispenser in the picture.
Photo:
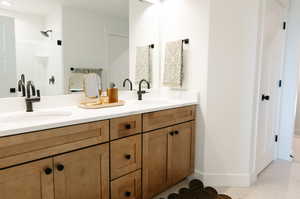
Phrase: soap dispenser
(112, 93)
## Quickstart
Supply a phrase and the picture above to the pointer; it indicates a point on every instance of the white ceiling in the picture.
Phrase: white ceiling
(118, 8)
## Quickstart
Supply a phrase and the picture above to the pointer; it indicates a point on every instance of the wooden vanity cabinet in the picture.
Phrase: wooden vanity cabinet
(127, 187)
(155, 162)
(126, 155)
(29, 181)
(180, 152)
(82, 174)
(132, 157)
(168, 157)
(165, 118)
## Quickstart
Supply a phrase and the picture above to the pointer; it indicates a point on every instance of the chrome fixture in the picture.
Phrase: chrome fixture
(130, 83)
(21, 85)
(46, 33)
(32, 96)
(140, 91)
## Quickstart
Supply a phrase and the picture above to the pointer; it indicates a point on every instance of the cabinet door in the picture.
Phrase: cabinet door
(180, 152)
(29, 181)
(82, 174)
(155, 154)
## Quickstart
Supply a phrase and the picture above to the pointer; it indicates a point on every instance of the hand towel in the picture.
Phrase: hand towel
(143, 64)
(173, 67)
(76, 79)
(76, 82)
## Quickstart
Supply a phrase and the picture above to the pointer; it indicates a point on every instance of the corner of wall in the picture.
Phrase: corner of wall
(225, 179)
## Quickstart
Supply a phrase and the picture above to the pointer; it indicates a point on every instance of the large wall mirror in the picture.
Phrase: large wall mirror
(54, 42)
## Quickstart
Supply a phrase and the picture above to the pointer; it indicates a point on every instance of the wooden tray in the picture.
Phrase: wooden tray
(95, 105)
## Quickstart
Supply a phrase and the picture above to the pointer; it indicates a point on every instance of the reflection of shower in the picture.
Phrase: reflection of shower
(46, 33)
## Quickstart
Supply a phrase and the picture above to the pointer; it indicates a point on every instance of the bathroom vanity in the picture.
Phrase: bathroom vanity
(134, 156)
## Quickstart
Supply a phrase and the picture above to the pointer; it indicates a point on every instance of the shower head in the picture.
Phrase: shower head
(46, 33)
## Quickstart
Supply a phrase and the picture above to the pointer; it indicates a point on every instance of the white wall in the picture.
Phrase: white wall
(290, 82)
(220, 63)
(230, 91)
(85, 39)
(190, 20)
(145, 30)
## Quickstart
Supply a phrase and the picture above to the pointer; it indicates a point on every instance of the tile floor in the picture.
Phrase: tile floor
(279, 181)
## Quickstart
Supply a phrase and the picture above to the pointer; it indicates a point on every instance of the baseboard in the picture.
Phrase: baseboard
(225, 180)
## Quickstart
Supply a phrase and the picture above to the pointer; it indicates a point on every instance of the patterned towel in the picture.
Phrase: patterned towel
(143, 64)
(173, 68)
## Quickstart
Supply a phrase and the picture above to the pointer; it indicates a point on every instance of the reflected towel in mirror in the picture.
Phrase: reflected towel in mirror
(143, 64)
(76, 79)
(76, 82)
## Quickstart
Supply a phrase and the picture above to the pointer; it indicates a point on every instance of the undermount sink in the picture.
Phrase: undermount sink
(149, 102)
(38, 116)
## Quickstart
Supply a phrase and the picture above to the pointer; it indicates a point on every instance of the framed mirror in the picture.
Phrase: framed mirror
(54, 43)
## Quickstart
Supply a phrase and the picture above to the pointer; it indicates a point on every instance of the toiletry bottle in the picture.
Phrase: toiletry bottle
(112, 93)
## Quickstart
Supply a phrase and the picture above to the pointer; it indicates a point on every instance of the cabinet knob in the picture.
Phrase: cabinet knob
(176, 132)
(172, 133)
(60, 167)
(128, 126)
(127, 194)
(128, 156)
(48, 171)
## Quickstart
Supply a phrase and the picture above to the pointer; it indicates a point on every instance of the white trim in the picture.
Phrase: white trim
(225, 179)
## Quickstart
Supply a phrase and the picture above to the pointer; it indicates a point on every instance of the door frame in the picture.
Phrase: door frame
(257, 88)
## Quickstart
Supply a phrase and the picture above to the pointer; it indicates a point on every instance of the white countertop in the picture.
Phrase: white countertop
(70, 115)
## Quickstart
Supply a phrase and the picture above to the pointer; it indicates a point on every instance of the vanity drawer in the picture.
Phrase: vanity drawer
(169, 117)
(127, 187)
(125, 126)
(125, 155)
(31, 146)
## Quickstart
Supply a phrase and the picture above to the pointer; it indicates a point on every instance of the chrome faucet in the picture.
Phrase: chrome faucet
(32, 96)
(21, 85)
(140, 91)
(130, 83)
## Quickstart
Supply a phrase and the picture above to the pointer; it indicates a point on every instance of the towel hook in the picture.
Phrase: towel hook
(186, 41)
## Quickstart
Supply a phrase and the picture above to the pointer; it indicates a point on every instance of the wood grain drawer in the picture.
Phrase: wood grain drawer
(125, 126)
(125, 156)
(127, 187)
(31, 146)
(166, 118)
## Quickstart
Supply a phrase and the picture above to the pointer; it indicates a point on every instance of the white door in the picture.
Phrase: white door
(118, 59)
(273, 40)
(8, 77)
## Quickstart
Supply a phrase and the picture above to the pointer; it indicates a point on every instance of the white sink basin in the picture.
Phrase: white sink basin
(38, 116)
(149, 102)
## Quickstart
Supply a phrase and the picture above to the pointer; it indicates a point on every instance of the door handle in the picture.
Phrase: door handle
(48, 171)
(128, 126)
(128, 156)
(60, 167)
(265, 97)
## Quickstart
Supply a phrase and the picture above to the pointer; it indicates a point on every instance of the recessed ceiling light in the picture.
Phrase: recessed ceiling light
(6, 3)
